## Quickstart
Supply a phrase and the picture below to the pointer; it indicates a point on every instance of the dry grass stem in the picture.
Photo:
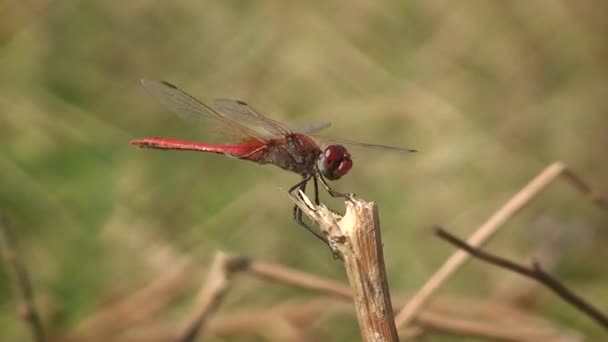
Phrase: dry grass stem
(431, 321)
(286, 318)
(304, 280)
(597, 197)
(355, 239)
(300, 315)
(485, 231)
(21, 280)
(486, 331)
(535, 273)
(269, 322)
(211, 293)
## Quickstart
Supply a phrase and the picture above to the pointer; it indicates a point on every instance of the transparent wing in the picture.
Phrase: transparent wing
(242, 112)
(366, 145)
(313, 128)
(190, 109)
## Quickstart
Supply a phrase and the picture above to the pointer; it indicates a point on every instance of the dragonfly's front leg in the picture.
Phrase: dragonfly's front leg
(331, 191)
(297, 212)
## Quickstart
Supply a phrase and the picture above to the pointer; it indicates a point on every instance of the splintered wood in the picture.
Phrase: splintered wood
(355, 239)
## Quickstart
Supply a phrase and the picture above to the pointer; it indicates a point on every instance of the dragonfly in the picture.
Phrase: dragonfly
(259, 139)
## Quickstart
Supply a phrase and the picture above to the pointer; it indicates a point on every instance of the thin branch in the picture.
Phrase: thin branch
(535, 273)
(299, 313)
(211, 294)
(267, 321)
(293, 277)
(27, 309)
(481, 235)
(428, 319)
(471, 328)
(355, 239)
(485, 231)
(304, 313)
(597, 197)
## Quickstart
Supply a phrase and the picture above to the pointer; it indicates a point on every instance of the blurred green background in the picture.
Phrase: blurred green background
(490, 92)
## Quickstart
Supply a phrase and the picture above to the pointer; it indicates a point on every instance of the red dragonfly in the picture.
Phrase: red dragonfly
(260, 139)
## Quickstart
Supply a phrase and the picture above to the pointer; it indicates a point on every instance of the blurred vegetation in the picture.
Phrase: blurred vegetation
(489, 92)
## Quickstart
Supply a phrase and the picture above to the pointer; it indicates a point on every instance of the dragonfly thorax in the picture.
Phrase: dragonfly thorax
(293, 152)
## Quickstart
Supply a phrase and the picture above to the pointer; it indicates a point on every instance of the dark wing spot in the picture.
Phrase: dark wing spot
(241, 102)
(168, 84)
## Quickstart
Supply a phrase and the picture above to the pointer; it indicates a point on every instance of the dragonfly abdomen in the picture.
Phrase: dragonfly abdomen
(254, 150)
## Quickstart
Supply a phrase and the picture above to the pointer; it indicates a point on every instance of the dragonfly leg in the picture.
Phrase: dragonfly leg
(316, 184)
(331, 191)
(297, 212)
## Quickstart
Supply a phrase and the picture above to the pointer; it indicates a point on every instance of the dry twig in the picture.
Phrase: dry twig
(535, 273)
(431, 321)
(27, 309)
(304, 280)
(485, 231)
(597, 197)
(480, 236)
(137, 307)
(355, 239)
(211, 294)
(267, 321)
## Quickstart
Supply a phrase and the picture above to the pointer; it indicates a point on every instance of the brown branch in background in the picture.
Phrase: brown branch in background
(553, 240)
(265, 321)
(211, 294)
(355, 239)
(535, 273)
(304, 280)
(300, 313)
(475, 329)
(27, 309)
(485, 231)
(431, 321)
(481, 235)
(598, 198)
(148, 300)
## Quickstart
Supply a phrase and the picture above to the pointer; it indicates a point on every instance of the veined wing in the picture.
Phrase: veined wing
(366, 145)
(242, 112)
(191, 109)
(313, 128)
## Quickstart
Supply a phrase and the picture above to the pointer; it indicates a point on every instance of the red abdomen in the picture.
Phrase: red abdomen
(251, 150)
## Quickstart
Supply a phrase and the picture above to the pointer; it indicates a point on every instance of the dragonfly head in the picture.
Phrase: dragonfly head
(334, 162)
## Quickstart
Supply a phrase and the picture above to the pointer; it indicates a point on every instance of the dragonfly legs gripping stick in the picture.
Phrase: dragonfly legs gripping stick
(297, 212)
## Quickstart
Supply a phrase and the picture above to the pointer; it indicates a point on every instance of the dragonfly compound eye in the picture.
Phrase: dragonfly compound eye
(335, 162)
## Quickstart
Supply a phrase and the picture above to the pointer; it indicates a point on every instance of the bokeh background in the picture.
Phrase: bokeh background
(490, 92)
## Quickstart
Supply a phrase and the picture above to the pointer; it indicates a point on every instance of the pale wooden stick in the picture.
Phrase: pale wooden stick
(23, 286)
(293, 277)
(302, 313)
(211, 294)
(268, 321)
(428, 319)
(433, 321)
(485, 331)
(481, 235)
(355, 239)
